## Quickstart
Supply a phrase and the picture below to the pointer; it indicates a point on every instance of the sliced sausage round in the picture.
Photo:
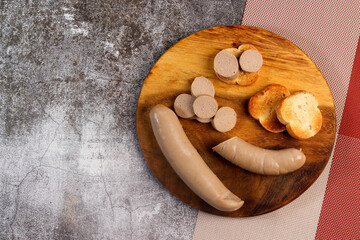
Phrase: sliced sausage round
(250, 61)
(202, 86)
(204, 120)
(205, 106)
(224, 120)
(226, 65)
(183, 105)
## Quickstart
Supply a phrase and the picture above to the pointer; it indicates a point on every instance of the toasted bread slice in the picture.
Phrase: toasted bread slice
(262, 107)
(244, 78)
(301, 115)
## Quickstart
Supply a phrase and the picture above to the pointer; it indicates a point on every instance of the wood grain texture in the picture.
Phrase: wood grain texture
(284, 63)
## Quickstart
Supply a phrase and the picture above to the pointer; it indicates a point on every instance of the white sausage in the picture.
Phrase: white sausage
(187, 162)
(259, 160)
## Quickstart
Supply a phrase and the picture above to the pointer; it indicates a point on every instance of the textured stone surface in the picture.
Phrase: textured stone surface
(70, 75)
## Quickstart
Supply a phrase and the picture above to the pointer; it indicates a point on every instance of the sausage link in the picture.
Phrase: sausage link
(259, 160)
(187, 162)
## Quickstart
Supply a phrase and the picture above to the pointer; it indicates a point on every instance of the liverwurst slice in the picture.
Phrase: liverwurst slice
(226, 65)
(203, 120)
(250, 61)
(202, 86)
(183, 105)
(205, 106)
(224, 120)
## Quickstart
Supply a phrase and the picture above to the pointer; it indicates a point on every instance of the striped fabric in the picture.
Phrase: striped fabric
(328, 31)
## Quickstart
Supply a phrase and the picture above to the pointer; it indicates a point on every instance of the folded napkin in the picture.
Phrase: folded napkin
(328, 31)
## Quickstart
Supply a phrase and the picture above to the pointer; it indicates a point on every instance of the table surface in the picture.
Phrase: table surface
(70, 77)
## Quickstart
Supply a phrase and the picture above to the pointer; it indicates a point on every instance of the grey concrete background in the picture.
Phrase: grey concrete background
(70, 75)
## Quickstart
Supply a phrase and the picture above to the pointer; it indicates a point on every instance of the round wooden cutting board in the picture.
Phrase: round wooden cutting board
(284, 63)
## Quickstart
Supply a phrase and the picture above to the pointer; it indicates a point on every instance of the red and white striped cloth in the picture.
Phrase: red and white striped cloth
(328, 31)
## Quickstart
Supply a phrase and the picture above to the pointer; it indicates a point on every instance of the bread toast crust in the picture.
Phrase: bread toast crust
(262, 107)
(301, 115)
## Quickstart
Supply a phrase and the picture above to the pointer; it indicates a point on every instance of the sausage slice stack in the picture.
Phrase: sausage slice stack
(202, 106)
(238, 65)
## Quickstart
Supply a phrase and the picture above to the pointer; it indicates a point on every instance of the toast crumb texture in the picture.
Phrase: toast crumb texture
(262, 106)
(300, 113)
